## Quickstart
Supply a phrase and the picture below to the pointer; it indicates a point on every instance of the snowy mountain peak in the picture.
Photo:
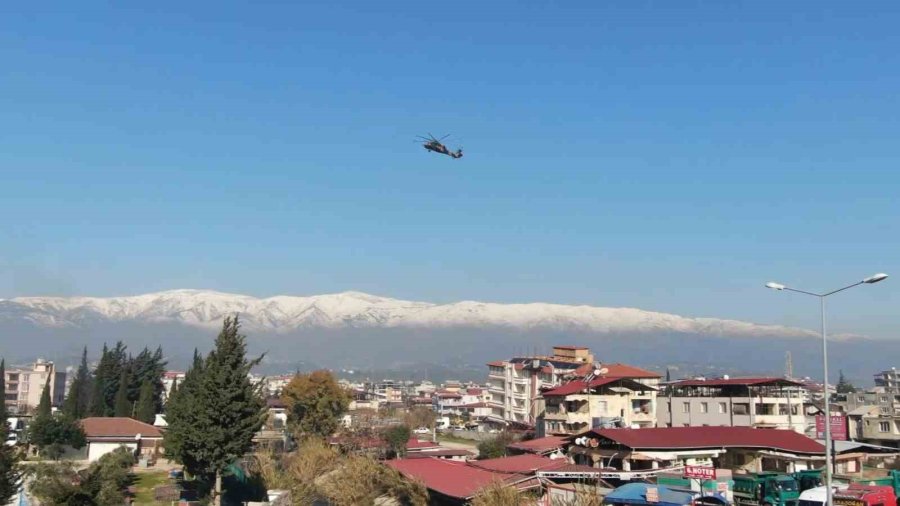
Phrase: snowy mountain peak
(351, 309)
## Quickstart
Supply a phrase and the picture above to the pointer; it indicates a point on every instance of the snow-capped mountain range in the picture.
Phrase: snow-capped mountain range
(355, 310)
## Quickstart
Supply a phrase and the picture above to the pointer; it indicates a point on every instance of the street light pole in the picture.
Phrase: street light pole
(778, 286)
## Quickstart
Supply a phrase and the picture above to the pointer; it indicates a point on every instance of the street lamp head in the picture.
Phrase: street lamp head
(875, 278)
(774, 286)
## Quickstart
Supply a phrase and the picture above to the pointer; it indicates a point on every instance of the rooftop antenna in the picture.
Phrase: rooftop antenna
(788, 366)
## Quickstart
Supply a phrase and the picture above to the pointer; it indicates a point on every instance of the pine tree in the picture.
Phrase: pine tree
(227, 410)
(78, 401)
(123, 405)
(146, 406)
(844, 386)
(9, 459)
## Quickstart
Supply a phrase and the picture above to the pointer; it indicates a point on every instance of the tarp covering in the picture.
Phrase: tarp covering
(636, 493)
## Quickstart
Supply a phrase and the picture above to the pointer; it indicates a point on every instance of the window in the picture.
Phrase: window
(884, 398)
(704, 407)
(884, 427)
(885, 411)
(685, 407)
(861, 398)
(741, 409)
(723, 408)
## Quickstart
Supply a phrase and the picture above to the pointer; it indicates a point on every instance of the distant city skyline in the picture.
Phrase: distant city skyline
(667, 158)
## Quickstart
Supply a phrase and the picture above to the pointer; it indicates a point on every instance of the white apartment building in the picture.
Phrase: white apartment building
(24, 386)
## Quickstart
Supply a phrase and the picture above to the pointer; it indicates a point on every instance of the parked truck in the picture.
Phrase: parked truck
(766, 489)
(865, 495)
(891, 480)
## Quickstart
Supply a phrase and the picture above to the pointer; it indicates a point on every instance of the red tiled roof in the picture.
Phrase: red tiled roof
(118, 427)
(453, 479)
(415, 444)
(443, 452)
(540, 445)
(474, 391)
(496, 363)
(670, 438)
(574, 387)
(735, 381)
(527, 463)
(628, 371)
(448, 395)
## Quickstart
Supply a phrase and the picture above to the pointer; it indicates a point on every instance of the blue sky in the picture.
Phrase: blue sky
(671, 156)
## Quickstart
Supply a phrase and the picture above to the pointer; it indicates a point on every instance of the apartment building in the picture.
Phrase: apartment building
(459, 401)
(874, 415)
(581, 405)
(515, 384)
(734, 402)
(25, 385)
(888, 380)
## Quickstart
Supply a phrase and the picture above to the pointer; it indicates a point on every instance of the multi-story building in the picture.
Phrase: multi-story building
(581, 405)
(24, 386)
(734, 402)
(515, 384)
(458, 401)
(888, 380)
(874, 415)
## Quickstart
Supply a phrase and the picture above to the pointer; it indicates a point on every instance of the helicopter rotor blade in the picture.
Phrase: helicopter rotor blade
(444, 137)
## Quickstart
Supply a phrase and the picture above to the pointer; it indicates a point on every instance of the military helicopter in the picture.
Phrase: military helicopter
(435, 145)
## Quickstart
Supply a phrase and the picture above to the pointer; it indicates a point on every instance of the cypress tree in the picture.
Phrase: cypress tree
(9, 457)
(123, 405)
(78, 403)
(227, 410)
(172, 392)
(44, 408)
(180, 415)
(146, 407)
(98, 390)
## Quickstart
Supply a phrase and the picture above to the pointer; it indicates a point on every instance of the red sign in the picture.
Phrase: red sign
(700, 472)
(838, 427)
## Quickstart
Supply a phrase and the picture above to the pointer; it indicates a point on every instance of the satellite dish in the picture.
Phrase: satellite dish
(600, 371)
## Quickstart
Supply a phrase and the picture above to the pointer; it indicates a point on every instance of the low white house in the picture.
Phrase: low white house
(104, 435)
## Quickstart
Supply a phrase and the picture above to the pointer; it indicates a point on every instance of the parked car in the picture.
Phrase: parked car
(422, 430)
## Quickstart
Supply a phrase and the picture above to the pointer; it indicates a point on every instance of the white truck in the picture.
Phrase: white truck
(816, 496)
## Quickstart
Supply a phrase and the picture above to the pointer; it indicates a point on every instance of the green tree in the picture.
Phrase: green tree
(494, 447)
(844, 386)
(44, 408)
(123, 406)
(173, 390)
(107, 376)
(180, 414)
(228, 410)
(77, 402)
(146, 404)
(51, 433)
(315, 403)
(397, 437)
(9, 456)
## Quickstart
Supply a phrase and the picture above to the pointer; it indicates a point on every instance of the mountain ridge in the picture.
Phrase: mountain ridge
(354, 309)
